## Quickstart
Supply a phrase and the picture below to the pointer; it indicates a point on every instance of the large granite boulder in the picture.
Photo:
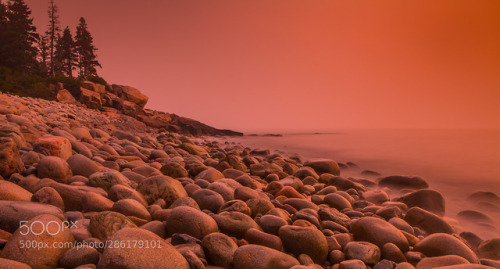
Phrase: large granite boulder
(131, 94)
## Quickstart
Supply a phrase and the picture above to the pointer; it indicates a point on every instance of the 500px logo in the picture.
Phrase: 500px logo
(51, 227)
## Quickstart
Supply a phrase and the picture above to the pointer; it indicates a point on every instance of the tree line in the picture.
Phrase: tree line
(28, 55)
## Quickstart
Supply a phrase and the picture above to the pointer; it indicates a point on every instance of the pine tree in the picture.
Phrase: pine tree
(43, 54)
(3, 28)
(65, 55)
(20, 37)
(52, 32)
(85, 49)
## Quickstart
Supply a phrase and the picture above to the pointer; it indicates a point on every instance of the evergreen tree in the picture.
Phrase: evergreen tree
(65, 55)
(3, 28)
(85, 49)
(43, 54)
(52, 33)
(19, 38)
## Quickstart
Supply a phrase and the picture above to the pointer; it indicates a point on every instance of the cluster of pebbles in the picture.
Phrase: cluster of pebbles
(130, 196)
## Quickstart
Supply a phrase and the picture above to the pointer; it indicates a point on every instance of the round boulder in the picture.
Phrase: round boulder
(104, 224)
(429, 200)
(52, 239)
(187, 220)
(378, 232)
(441, 244)
(304, 240)
(13, 192)
(106, 178)
(235, 223)
(160, 254)
(322, 166)
(365, 251)
(219, 248)
(54, 168)
(403, 182)
(166, 188)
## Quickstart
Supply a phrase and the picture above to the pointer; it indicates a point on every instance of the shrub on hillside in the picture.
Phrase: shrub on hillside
(24, 85)
(70, 84)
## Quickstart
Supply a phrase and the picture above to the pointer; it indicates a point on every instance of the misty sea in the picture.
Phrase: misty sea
(456, 162)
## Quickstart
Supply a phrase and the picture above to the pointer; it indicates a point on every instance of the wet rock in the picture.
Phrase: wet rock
(187, 220)
(446, 260)
(255, 256)
(429, 200)
(324, 166)
(403, 182)
(378, 232)
(306, 171)
(441, 244)
(337, 201)
(490, 249)
(474, 217)
(307, 240)
(55, 242)
(427, 221)
(163, 255)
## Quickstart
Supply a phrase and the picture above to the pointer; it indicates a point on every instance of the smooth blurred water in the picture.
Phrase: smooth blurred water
(456, 162)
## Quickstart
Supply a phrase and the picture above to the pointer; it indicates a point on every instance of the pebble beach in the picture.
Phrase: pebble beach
(99, 188)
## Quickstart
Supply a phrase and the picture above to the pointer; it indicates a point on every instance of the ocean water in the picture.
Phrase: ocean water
(456, 162)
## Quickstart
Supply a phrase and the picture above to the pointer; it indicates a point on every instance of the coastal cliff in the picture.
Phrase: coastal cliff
(130, 101)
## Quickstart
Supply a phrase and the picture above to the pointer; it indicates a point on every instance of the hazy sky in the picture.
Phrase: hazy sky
(257, 65)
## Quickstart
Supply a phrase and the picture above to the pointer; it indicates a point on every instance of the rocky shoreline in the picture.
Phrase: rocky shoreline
(107, 188)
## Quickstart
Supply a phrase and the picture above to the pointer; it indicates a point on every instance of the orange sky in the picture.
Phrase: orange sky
(275, 65)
